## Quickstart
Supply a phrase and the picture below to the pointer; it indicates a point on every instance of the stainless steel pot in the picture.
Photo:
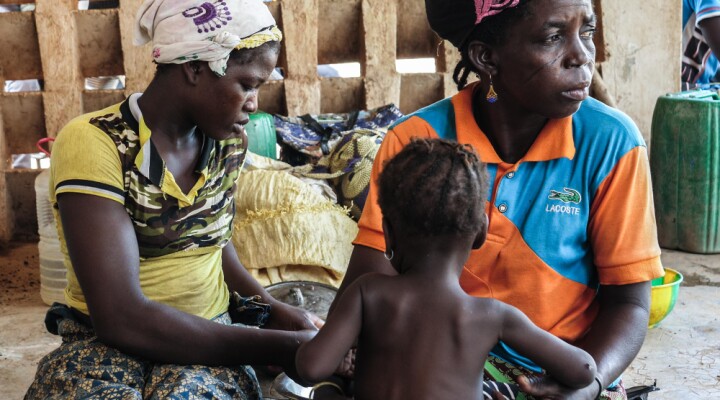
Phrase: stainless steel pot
(310, 296)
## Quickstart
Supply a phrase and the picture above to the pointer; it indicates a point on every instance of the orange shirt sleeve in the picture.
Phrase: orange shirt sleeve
(370, 232)
(622, 227)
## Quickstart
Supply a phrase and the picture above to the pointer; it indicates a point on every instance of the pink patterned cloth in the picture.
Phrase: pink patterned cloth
(486, 8)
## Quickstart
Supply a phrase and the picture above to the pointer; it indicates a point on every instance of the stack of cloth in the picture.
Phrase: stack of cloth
(296, 219)
(290, 228)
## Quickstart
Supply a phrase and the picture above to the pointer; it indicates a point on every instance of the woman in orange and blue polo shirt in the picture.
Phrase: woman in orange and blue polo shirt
(572, 236)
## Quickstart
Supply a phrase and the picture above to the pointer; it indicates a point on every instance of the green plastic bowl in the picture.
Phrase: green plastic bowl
(664, 296)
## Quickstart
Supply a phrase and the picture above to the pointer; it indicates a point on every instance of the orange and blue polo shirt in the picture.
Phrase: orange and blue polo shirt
(574, 213)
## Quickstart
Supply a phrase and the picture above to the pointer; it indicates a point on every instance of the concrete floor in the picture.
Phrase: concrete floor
(682, 353)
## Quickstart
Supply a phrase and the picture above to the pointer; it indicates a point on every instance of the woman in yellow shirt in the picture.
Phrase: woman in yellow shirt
(143, 192)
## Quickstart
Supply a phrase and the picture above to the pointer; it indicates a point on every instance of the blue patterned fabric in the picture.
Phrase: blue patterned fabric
(84, 368)
(299, 135)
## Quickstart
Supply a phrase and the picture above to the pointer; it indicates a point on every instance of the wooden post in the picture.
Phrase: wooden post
(59, 56)
(302, 85)
(137, 60)
(379, 53)
(6, 222)
(445, 62)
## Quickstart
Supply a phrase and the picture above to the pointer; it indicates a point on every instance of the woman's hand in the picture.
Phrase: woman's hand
(546, 388)
(282, 316)
(289, 318)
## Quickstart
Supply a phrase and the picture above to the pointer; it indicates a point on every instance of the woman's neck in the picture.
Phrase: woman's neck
(165, 117)
(173, 134)
(510, 131)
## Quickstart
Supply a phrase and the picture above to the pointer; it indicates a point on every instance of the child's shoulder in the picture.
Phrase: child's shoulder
(372, 277)
(370, 282)
(373, 290)
(488, 307)
(498, 311)
(379, 281)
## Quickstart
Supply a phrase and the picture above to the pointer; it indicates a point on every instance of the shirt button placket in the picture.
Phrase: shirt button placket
(503, 207)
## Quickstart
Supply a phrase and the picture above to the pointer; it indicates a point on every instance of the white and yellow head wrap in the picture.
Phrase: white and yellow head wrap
(203, 30)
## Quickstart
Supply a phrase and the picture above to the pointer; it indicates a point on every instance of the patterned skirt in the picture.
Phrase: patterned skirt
(501, 374)
(84, 368)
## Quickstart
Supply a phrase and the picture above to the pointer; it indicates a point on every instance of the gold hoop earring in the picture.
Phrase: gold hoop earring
(491, 97)
(389, 257)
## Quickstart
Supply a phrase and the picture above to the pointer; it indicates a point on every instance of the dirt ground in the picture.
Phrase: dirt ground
(682, 353)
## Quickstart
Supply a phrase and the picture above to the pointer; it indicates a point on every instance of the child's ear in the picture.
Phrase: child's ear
(482, 234)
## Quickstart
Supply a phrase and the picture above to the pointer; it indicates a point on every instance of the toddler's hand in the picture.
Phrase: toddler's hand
(546, 388)
(346, 369)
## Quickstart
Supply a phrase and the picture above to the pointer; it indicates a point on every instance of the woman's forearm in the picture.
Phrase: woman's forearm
(237, 276)
(618, 332)
(106, 263)
(163, 334)
(614, 340)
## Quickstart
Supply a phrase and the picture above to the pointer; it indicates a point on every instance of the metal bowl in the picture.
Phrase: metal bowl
(310, 296)
(284, 388)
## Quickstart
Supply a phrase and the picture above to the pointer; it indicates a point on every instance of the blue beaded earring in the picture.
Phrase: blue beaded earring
(491, 97)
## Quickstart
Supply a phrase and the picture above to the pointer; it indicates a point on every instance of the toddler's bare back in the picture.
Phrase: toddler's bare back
(421, 343)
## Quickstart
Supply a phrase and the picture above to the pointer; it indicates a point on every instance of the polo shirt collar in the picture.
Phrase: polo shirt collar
(148, 160)
(554, 141)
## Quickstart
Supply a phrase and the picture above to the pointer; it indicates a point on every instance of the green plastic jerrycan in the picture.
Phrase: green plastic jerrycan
(685, 167)
(261, 135)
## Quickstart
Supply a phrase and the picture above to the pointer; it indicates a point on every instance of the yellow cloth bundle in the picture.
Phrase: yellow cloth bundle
(284, 230)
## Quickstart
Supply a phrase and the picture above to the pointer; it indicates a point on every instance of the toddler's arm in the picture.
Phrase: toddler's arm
(320, 357)
(568, 364)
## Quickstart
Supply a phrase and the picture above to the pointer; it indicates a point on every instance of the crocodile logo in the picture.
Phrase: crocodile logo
(569, 196)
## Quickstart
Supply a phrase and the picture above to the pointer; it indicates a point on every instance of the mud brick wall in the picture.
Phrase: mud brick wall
(61, 46)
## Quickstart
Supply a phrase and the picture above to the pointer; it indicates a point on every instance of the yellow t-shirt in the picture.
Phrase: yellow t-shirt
(180, 236)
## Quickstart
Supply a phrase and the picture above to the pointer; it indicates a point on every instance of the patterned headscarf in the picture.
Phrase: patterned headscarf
(453, 20)
(486, 8)
(203, 30)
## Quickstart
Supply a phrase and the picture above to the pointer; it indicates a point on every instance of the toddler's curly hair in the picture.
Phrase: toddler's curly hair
(434, 186)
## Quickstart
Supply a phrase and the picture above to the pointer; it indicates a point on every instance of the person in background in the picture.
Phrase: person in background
(420, 336)
(572, 240)
(143, 193)
(701, 42)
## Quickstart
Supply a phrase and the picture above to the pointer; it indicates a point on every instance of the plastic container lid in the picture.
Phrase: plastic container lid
(52, 295)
